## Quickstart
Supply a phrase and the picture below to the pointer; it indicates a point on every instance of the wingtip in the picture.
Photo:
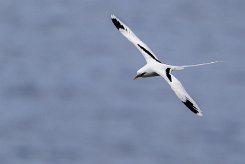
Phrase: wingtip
(113, 16)
(200, 114)
(119, 25)
(193, 107)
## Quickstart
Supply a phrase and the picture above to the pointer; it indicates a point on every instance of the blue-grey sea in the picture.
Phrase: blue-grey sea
(67, 94)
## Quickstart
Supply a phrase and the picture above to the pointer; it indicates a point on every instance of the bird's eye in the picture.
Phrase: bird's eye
(142, 74)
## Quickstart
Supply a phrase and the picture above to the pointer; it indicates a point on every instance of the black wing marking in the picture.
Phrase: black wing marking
(117, 24)
(141, 46)
(180, 91)
(168, 74)
(146, 51)
(190, 105)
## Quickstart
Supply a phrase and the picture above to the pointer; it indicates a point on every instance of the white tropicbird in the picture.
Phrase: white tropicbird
(154, 67)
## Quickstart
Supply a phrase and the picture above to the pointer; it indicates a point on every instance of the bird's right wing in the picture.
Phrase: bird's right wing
(179, 90)
(141, 46)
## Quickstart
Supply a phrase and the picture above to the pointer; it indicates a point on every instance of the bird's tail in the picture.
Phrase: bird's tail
(201, 64)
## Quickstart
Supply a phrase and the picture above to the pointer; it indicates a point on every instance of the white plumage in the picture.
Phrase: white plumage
(154, 67)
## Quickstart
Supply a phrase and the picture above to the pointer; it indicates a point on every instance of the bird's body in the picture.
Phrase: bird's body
(154, 67)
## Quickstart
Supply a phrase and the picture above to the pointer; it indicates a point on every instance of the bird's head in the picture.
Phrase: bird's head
(139, 74)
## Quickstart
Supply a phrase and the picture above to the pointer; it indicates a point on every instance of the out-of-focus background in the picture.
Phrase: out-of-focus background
(66, 94)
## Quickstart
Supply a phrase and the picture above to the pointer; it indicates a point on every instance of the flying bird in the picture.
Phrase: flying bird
(154, 67)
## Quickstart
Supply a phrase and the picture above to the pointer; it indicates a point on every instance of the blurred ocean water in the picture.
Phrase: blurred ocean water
(67, 96)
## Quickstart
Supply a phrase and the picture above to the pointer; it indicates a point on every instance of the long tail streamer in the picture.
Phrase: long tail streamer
(196, 65)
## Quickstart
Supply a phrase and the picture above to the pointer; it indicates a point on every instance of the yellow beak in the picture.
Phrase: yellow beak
(137, 76)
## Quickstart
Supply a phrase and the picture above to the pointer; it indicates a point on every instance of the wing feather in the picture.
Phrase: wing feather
(141, 46)
(180, 91)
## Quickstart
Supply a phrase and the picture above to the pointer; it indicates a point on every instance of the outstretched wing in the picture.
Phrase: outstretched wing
(141, 46)
(179, 90)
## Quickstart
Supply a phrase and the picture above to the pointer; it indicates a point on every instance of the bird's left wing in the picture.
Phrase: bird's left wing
(141, 46)
(179, 90)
